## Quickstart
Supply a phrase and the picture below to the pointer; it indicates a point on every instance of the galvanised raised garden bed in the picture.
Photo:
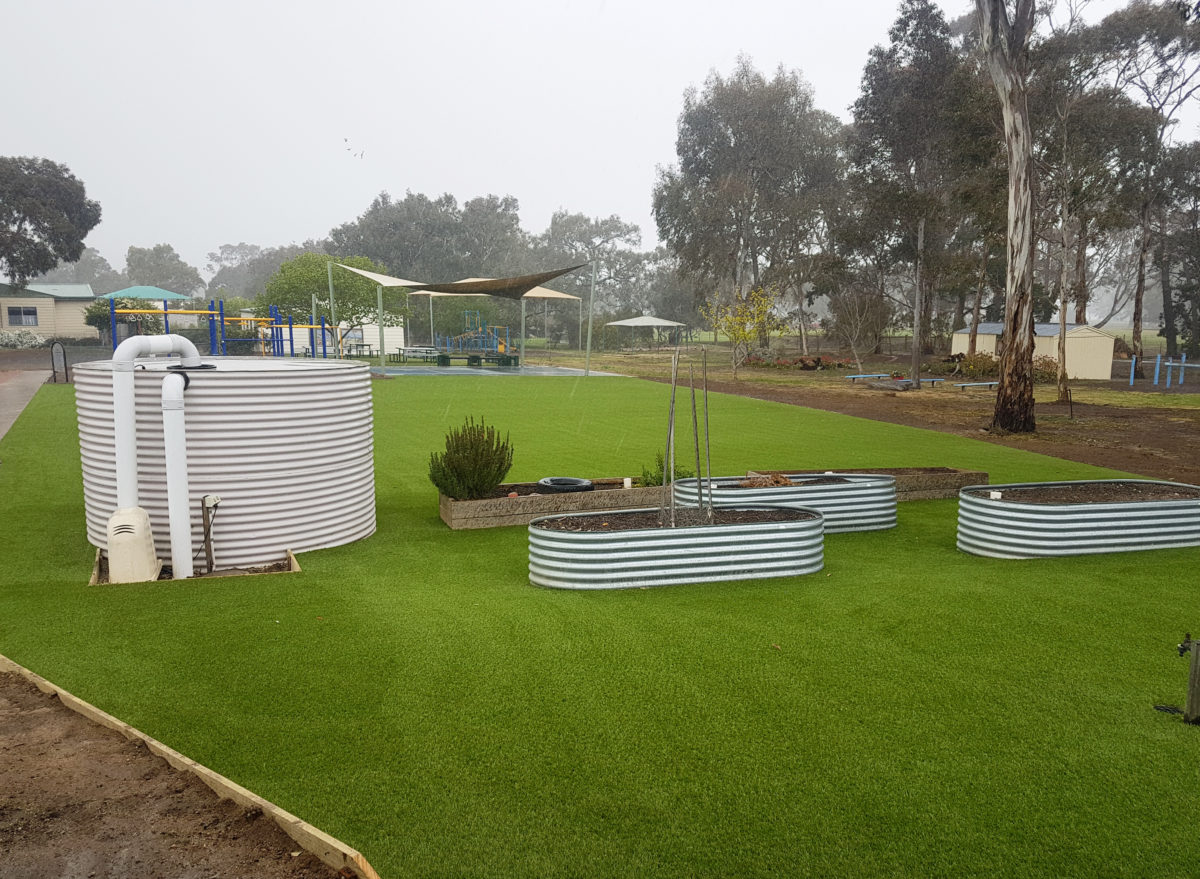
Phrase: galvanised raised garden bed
(912, 483)
(603, 559)
(848, 501)
(497, 512)
(1044, 519)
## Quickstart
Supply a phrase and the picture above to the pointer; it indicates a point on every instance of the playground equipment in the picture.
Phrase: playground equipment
(278, 451)
(1171, 365)
(275, 336)
(475, 338)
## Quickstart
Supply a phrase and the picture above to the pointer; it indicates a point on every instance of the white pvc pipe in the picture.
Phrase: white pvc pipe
(175, 448)
(124, 409)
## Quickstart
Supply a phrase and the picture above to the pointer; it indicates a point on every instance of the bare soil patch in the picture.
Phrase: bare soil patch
(80, 800)
(1151, 442)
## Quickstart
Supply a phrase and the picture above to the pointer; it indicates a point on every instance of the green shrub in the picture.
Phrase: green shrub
(655, 476)
(972, 366)
(1045, 370)
(474, 463)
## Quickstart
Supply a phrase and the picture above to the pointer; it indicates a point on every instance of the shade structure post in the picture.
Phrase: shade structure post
(379, 297)
(333, 312)
(587, 356)
(522, 363)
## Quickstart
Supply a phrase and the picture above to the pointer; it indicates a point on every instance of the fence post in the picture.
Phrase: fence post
(1132, 368)
(1182, 367)
(1157, 367)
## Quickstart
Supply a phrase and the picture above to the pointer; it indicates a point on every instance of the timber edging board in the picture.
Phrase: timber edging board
(912, 483)
(331, 851)
(501, 511)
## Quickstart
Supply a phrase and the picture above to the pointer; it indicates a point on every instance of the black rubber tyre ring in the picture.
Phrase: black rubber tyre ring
(563, 484)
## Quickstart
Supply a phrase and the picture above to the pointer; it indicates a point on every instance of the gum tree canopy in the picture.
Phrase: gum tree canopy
(44, 216)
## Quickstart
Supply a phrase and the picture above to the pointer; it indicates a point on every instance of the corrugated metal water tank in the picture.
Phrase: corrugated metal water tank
(286, 443)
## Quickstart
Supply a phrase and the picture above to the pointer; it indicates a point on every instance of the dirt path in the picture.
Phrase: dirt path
(1155, 443)
(78, 801)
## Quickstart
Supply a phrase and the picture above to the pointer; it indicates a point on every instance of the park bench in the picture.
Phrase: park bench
(965, 385)
(854, 378)
(932, 381)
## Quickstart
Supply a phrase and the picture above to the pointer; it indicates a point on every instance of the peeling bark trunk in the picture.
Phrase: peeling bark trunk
(1006, 45)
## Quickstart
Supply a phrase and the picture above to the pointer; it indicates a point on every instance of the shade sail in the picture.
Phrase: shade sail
(381, 280)
(646, 320)
(523, 287)
(144, 292)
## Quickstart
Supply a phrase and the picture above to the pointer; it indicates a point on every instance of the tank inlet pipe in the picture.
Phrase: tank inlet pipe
(124, 410)
(175, 447)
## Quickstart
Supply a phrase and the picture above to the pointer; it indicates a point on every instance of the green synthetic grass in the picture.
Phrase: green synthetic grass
(908, 711)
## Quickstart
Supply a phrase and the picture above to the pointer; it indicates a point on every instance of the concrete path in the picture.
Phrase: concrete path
(17, 388)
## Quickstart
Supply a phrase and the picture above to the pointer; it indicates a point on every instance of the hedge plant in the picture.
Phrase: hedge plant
(476, 460)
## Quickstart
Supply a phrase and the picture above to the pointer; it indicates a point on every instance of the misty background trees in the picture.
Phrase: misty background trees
(893, 223)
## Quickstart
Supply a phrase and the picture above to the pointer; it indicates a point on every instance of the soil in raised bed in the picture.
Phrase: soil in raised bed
(529, 489)
(684, 518)
(1096, 493)
(779, 480)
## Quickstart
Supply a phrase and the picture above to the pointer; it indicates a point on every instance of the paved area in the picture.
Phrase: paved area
(17, 388)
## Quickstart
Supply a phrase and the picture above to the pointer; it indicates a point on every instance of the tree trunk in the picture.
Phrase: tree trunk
(915, 366)
(1063, 286)
(977, 308)
(1080, 292)
(1139, 291)
(1006, 43)
(1170, 331)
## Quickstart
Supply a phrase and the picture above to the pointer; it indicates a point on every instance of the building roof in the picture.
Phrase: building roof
(1050, 329)
(53, 291)
(144, 292)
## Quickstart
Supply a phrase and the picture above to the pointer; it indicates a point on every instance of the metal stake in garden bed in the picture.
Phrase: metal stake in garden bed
(1191, 708)
(668, 508)
(707, 439)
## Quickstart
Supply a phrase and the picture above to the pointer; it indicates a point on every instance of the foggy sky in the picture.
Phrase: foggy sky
(199, 124)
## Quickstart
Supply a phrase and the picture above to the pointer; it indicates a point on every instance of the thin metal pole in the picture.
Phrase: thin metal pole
(669, 475)
(333, 312)
(432, 338)
(587, 357)
(707, 437)
(522, 364)
(695, 429)
(379, 302)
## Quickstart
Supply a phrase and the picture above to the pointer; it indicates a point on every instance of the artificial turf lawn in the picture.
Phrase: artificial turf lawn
(909, 711)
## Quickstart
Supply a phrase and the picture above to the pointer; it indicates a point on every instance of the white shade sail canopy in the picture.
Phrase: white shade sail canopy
(381, 280)
(646, 320)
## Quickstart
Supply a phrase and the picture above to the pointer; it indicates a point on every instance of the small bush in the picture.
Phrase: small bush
(972, 366)
(476, 460)
(21, 339)
(656, 476)
(1045, 370)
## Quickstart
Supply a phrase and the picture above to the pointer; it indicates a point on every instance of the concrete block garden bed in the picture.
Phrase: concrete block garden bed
(496, 512)
(1041, 519)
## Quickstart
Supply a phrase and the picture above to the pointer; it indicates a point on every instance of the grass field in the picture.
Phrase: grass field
(909, 711)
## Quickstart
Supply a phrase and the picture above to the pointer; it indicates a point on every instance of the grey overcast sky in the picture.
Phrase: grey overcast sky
(200, 124)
